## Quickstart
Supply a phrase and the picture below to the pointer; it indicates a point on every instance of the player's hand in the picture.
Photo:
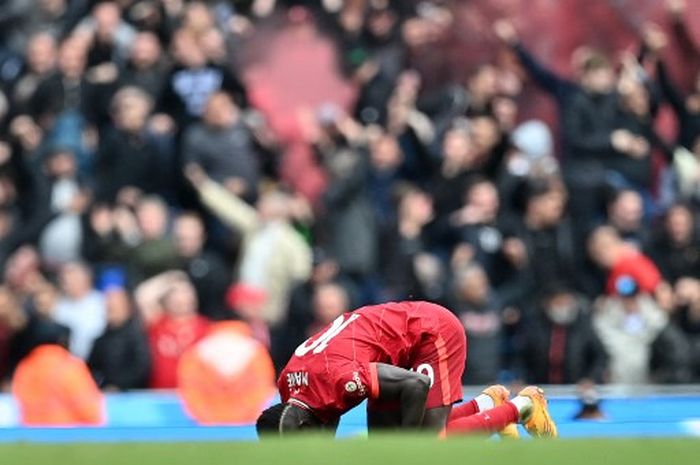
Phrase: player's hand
(506, 32)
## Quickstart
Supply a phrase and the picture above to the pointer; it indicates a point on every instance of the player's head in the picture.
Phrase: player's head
(285, 418)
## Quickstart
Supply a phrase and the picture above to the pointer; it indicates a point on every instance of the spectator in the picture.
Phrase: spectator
(146, 67)
(626, 215)
(590, 122)
(127, 158)
(108, 236)
(155, 252)
(476, 229)
(386, 160)
(480, 311)
(264, 229)
(23, 274)
(27, 331)
(349, 227)
(68, 89)
(111, 36)
(482, 88)
(193, 80)
(222, 145)
(207, 271)
(81, 308)
(685, 107)
(456, 170)
(558, 345)
(676, 246)
(628, 324)
(588, 110)
(168, 306)
(403, 250)
(25, 199)
(541, 245)
(634, 138)
(61, 238)
(120, 359)
(617, 258)
(55, 17)
(40, 57)
(688, 317)
(329, 301)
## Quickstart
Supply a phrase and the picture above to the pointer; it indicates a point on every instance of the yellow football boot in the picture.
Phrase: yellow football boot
(537, 421)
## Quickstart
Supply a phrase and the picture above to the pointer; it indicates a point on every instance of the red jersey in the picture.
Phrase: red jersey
(335, 369)
(169, 339)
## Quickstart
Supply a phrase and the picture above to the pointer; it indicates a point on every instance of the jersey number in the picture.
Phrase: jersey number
(319, 345)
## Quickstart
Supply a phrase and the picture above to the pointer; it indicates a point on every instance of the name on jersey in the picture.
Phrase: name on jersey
(297, 379)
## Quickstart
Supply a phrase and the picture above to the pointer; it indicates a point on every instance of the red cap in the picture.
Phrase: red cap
(245, 294)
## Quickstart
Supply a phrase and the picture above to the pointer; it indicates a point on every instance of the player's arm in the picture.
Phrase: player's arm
(408, 387)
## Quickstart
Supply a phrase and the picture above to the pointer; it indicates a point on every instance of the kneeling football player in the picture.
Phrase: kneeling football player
(407, 358)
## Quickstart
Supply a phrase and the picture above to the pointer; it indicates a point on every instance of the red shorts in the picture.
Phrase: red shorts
(441, 356)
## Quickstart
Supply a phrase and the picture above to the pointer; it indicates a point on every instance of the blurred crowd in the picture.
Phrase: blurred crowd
(142, 205)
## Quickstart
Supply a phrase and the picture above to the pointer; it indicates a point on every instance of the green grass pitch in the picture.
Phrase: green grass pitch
(404, 450)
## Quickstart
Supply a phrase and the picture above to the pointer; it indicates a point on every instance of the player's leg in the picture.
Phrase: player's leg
(488, 422)
(381, 418)
(492, 396)
(436, 418)
(528, 408)
(387, 417)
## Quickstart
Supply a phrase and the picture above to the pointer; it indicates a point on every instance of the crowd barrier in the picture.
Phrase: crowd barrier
(159, 416)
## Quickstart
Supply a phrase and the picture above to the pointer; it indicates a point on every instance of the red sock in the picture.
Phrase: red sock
(466, 409)
(489, 421)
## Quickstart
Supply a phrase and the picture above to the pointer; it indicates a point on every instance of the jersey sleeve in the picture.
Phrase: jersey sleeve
(355, 382)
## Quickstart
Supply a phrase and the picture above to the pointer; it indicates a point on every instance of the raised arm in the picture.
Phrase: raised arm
(545, 78)
(227, 206)
(669, 89)
(409, 388)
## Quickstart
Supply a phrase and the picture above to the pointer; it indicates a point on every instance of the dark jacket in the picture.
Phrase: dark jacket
(578, 353)
(484, 328)
(120, 357)
(675, 261)
(38, 331)
(210, 277)
(223, 153)
(126, 160)
(350, 226)
(689, 121)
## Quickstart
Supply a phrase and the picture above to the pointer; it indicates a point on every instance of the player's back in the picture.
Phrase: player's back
(384, 333)
(335, 368)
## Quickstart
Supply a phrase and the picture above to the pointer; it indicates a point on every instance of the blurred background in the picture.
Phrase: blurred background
(190, 189)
